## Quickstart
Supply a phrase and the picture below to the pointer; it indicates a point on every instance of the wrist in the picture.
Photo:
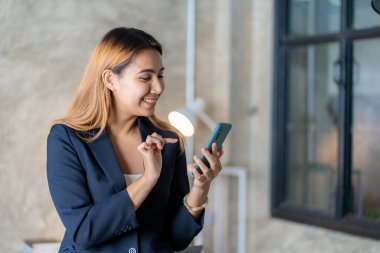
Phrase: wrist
(197, 196)
(201, 186)
(192, 208)
(149, 179)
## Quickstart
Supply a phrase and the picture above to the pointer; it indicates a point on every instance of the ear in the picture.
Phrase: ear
(109, 79)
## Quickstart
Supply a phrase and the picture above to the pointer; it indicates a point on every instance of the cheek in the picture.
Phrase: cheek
(163, 86)
(134, 96)
(133, 89)
(141, 91)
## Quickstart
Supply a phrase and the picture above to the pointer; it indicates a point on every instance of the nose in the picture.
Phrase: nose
(157, 86)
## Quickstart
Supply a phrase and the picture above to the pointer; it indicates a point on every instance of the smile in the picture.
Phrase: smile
(150, 101)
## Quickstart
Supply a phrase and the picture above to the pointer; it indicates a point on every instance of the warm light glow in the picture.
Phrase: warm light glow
(182, 123)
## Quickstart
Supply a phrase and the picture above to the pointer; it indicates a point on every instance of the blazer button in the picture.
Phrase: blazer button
(129, 228)
(132, 250)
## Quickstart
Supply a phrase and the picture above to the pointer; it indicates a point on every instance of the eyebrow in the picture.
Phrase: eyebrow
(150, 70)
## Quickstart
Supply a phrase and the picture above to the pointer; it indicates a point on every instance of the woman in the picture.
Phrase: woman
(116, 173)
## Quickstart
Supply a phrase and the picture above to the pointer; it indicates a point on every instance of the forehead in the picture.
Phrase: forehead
(147, 59)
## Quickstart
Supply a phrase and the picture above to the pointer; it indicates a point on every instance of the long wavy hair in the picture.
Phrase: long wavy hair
(92, 102)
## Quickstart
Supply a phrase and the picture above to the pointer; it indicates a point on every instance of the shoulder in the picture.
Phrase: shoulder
(65, 133)
(61, 130)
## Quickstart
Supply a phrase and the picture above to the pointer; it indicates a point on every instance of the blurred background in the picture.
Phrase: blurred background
(298, 79)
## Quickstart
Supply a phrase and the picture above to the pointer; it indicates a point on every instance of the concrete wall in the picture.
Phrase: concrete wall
(44, 47)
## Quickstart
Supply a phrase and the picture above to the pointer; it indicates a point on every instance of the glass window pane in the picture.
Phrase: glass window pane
(312, 128)
(364, 15)
(312, 17)
(366, 129)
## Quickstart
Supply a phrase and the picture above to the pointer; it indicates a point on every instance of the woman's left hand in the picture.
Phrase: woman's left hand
(204, 180)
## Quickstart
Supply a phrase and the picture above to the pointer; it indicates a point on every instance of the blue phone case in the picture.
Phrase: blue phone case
(218, 135)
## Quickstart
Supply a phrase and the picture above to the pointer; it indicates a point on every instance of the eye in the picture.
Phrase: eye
(145, 78)
(161, 76)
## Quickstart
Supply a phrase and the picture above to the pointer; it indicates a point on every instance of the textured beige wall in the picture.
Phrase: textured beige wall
(44, 47)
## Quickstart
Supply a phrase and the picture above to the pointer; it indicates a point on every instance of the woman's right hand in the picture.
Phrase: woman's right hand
(151, 153)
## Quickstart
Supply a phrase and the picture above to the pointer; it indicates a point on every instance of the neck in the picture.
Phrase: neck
(121, 123)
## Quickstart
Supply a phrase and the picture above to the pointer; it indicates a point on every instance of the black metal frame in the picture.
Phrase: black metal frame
(341, 220)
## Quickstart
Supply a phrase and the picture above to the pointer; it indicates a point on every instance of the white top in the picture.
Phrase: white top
(130, 178)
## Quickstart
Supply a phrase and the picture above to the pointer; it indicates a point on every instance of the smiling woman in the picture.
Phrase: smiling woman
(117, 174)
(118, 49)
(138, 87)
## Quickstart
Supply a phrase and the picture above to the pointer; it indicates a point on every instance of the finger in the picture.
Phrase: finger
(210, 158)
(214, 148)
(150, 147)
(156, 141)
(149, 140)
(148, 144)
(170, 140)
(205, 170)
(142, 147)
(213, 159)
(156, 135)
(220, 152)
(164, 140)
(196, 173)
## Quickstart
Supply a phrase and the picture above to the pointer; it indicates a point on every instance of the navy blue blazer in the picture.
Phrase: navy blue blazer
(88, 190)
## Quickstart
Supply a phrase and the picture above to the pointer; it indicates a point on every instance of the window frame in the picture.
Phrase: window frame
(342, 220)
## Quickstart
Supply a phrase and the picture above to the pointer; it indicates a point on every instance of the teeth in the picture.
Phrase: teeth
(150, 101)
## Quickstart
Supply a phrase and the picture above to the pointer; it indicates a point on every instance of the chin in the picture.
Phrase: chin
(147, 113)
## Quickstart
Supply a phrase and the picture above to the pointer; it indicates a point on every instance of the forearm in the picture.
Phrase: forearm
(197, 196)
(139, 190)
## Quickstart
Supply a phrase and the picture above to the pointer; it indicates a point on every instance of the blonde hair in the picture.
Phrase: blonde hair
(93, 100)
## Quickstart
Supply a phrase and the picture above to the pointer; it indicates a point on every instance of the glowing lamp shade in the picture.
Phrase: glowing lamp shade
(185, 118)
(182, 123)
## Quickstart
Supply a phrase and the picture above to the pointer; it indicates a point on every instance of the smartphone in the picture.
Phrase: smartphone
(218, 135)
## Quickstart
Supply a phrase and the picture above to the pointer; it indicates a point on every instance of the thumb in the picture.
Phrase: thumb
(141, 148)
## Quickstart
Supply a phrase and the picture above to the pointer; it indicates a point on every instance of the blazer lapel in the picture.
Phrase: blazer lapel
(105, 155)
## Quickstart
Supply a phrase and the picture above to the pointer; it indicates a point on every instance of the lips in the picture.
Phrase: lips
(150, 100)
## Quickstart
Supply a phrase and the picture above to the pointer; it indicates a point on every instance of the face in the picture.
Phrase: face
(139, 86)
